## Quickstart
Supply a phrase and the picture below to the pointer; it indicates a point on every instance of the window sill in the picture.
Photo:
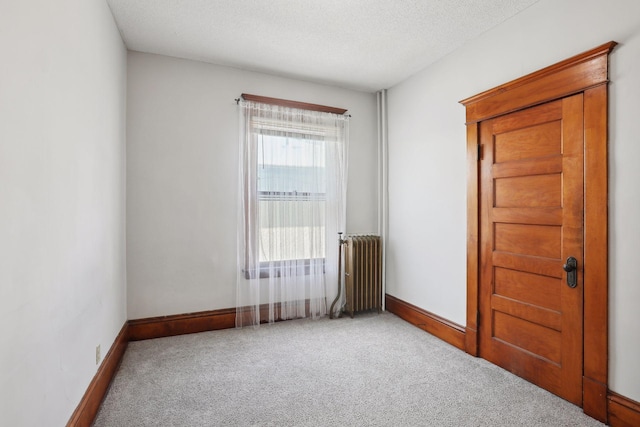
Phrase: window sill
(298, 267)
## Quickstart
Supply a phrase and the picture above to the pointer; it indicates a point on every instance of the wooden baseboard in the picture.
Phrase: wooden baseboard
(189, 323)
(623, 412)
(444, 329)
(88, 407)
(180, 324)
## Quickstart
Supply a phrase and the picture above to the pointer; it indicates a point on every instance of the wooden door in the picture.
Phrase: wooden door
(531, 221)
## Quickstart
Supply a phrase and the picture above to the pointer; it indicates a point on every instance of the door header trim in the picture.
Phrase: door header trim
(573, 75)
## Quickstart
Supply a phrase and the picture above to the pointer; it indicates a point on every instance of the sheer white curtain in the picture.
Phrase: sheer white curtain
(293, 174)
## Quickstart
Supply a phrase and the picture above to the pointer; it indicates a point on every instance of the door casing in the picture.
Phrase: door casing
(585, 73)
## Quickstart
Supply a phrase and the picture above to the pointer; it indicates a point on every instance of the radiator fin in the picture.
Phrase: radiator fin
(363, 274)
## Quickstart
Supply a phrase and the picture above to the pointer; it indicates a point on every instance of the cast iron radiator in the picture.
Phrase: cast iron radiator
(363, 273)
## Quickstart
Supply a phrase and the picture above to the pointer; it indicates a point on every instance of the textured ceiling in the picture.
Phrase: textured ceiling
(358, 44)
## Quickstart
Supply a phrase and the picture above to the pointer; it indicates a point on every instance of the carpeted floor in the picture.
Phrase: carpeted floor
(374, 370)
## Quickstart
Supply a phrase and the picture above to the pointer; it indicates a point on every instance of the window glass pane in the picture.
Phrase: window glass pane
(291, 193)
(291, 230)
(291, 165)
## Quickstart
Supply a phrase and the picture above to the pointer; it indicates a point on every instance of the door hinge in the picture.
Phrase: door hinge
(477, 319)
(479, 152)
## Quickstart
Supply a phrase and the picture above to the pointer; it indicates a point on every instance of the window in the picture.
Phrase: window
(292, 205)
(291, 197)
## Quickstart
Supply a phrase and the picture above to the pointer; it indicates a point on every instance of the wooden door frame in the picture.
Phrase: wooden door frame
(586, 73)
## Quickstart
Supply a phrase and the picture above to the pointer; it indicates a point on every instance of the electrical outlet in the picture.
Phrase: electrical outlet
(98, 354)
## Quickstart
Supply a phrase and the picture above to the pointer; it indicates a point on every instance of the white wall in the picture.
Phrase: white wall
(62, 183)
(427, 169)
(182, 169)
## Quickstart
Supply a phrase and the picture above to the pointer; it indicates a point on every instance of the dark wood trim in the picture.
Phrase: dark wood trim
(180, 324)
(565, 78)
(596, 300)
(88, 407)
(623, 412)
(191, 323)
(586, 73)
(293, 104)
(440, 327)
(473, 248)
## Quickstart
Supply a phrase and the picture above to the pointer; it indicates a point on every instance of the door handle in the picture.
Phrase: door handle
(571, 267)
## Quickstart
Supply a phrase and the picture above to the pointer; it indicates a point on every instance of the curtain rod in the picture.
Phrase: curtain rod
(293, 104)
